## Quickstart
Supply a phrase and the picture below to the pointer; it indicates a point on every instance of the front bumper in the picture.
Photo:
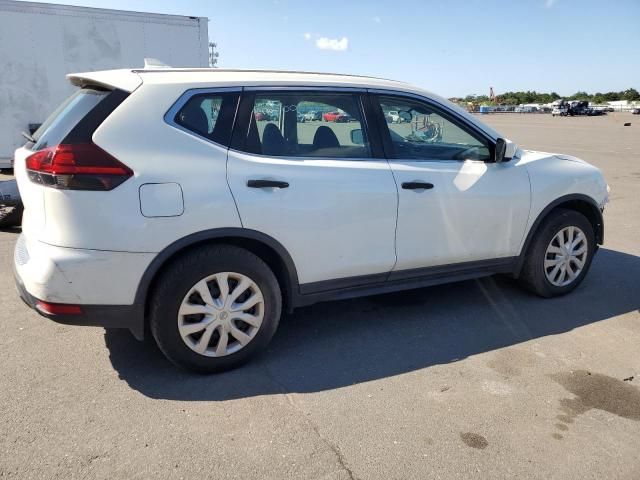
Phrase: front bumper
(68, 276)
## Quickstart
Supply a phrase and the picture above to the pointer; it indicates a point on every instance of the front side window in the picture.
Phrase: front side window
(209, 115)
(418, 131)
(306, 124)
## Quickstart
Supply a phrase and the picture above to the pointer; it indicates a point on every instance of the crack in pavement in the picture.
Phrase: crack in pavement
(301, 413)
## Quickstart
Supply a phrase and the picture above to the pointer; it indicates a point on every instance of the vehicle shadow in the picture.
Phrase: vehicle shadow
(337, 344)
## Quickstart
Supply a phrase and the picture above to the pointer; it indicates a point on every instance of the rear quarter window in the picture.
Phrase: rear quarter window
(209, 115)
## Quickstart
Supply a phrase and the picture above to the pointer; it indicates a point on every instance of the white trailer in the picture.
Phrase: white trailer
(40, 43)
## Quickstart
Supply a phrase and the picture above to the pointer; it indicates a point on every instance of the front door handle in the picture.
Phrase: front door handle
(417, 185)
(266, 184)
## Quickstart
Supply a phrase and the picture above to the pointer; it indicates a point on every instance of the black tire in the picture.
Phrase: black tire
(11, 216)
(533, 276)
(182, 275)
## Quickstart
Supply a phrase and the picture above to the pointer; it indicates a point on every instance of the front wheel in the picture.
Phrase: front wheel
(215, 308)
(560, 254)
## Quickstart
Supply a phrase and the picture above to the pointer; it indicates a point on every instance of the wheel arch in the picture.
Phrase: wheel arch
(576, 201)
(267, 248)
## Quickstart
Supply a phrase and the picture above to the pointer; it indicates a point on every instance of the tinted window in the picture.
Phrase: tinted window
(60, 123)
(418, 131)
(209, 115)
(306, 124)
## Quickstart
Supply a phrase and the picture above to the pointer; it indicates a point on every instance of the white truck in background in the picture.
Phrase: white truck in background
(40, 43)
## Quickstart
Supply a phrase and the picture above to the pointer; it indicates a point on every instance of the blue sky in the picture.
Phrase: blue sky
(452, 47)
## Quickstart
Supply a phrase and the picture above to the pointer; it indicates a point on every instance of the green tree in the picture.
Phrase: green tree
(611, 96)
(517, 98)
(631, 94)
(580, 96)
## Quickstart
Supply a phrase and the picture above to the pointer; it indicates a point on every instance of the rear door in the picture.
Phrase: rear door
(320, 188)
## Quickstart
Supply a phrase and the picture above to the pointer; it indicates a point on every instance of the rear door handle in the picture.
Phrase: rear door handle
(417, 185)
(266, 184)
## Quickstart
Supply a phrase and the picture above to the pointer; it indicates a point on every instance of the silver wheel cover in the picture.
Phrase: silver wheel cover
(221, 314)
(565, 256)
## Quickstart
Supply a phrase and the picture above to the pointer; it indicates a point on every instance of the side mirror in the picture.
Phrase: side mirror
(501, 149)
(505, 150)
(356, 136)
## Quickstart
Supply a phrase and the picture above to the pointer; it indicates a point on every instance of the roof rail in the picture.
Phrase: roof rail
(252, 70)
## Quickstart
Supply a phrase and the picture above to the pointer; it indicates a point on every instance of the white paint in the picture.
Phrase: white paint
(346, 208)
(475, 211)
(69, 275)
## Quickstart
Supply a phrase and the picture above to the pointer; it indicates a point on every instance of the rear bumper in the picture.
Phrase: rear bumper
(102, 284)
(108, 316)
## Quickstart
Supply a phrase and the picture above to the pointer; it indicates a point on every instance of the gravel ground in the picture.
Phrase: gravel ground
(471, 380)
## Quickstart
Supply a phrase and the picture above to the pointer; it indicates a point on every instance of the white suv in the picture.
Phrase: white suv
(193, 202)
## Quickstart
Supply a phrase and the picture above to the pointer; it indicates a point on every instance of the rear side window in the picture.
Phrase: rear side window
(209, 115)
(63, 120)
(303, 124)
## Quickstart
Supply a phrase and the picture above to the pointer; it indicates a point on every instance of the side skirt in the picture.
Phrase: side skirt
(376, 284)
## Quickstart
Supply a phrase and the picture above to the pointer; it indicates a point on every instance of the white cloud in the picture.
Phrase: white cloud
(377, 19)
(307, 36)
(549, 3)
(324, 43)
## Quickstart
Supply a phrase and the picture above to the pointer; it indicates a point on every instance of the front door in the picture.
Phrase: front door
(455, 205)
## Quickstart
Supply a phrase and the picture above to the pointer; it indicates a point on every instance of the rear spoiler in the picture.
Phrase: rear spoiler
(123, 79)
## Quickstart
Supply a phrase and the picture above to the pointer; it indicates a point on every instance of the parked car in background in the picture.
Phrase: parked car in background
(525, 109)
(300, 118)
(560, 110)
(207, 256)
(393, 117)
(313, 116)
(635, 111)
(579, 107)
(337, 116)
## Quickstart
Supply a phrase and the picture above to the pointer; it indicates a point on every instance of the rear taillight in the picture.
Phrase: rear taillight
(83, 166)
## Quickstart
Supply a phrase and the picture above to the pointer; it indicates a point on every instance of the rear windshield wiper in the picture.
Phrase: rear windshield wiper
(28, 136)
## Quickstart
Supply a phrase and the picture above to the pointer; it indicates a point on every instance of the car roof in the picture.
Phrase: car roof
(130, 79)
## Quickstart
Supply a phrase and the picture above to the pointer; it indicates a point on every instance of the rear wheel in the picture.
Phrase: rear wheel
(560, 254)
(215, 308)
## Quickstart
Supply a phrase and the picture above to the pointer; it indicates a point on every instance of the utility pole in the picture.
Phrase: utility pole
(213, 55)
